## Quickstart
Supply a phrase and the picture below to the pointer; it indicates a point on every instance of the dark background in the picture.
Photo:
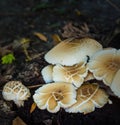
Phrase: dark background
(20, 18)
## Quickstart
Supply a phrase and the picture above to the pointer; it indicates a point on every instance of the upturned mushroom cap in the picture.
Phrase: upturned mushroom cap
(72, 51)
(47, 72)
(52, 96)
(71, 74)
(15, 91)
(115, 86)
(104, 65)
(88, 97)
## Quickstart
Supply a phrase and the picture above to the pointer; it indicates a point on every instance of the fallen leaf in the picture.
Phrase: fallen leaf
(4, 51)
(24, 40)
(40, 36)
(56, 39)
(18, 121)
(33, 106)
(77, 12)
(69, 30)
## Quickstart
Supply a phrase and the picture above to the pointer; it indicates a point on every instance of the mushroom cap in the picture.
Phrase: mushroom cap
(47, 73)
(104, 65)
(52, 96)
(89, 77)
(72, 51)
(88, 97)
(115, 86)
(72, 74)
(15, 91)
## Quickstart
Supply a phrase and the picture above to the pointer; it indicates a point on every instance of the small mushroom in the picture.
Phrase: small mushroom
(72, 51)
(72, 74)
(47, 72)
(15, 91)
(115, 86)
(104, 65)
(52, 96)
(88, 97)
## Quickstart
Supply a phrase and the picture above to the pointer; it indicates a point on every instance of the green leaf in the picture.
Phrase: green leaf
(8, 59)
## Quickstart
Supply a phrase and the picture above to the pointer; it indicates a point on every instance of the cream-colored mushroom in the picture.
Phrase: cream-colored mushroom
(47, 73)
(89, 77)
(72, 51)
(104, 65)
(88, 97)
(72, 74)
(52, 96)
(15, 91)
(115, 86)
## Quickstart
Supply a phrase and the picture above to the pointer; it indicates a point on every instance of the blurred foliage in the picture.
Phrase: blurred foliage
(42, 5)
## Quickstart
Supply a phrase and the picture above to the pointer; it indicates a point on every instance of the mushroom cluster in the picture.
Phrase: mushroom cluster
(68, 60)
(74, 62)
(16, 91)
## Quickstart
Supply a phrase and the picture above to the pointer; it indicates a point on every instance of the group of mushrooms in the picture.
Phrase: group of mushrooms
(72, 64)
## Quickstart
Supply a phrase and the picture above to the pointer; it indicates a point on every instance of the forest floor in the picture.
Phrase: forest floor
(40, 23)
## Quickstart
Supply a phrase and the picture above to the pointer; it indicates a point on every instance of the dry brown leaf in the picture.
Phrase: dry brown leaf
(33, 106)
(77, 12)
(56, 39)
(69, 30)
(18, 121)
(40, 36)
(4, 51)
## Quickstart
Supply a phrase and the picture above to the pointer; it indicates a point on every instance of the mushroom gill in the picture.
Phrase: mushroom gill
(52, 96)
(72, 74)
(89, 77)
(88, 97)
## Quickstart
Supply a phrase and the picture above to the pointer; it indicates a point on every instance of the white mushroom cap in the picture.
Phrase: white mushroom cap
(72, 74)
(72, 51)
(47, 72)
(52, 96)
(15, 91)
(104, 65)
(115, 86)
(88, 97)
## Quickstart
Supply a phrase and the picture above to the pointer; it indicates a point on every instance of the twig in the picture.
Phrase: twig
(35, 86)
(114, 5)
(30, 87)
(17, 14)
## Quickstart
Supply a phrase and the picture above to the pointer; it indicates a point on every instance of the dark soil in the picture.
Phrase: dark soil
(20, 19)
